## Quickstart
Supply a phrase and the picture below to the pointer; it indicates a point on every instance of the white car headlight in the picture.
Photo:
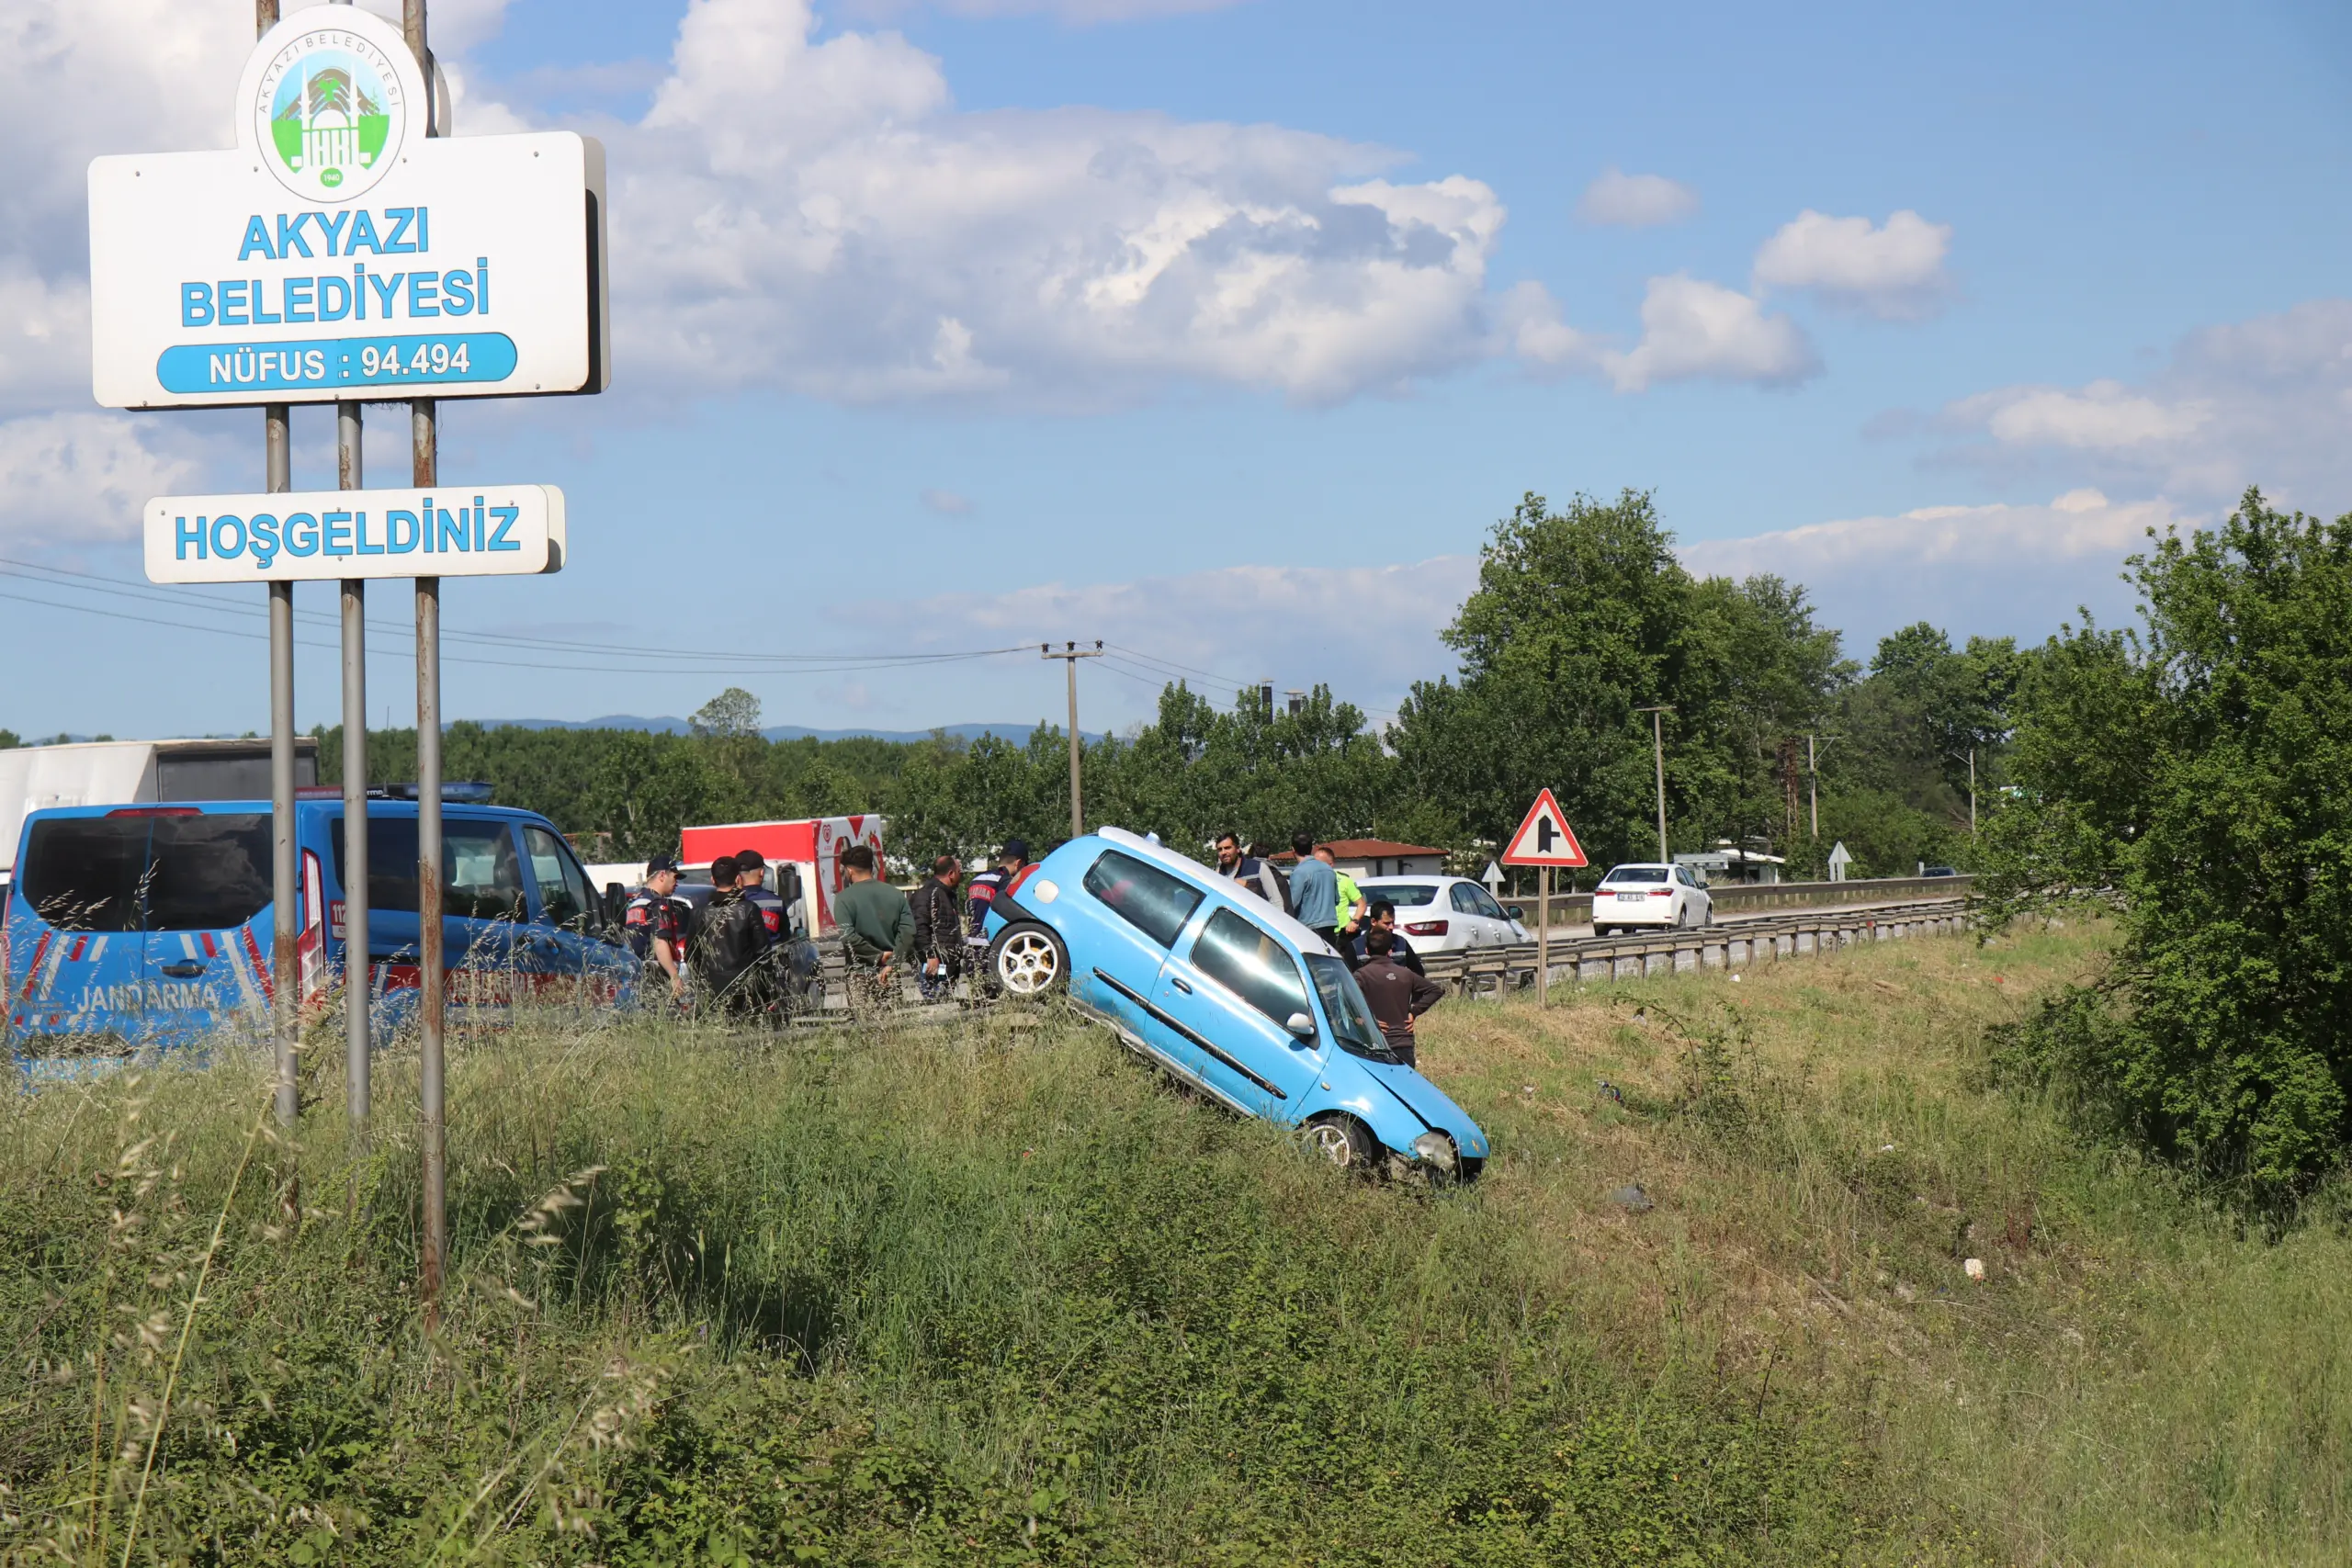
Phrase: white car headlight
(1437, 1149)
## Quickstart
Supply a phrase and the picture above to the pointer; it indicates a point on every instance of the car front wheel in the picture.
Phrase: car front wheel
(1344, 1141)
(1028, 960)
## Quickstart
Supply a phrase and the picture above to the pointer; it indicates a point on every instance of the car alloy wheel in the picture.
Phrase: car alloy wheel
(1029, 960)
(1344, 1141)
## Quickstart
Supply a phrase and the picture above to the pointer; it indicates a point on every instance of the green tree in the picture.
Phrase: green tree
(2205, 767)
(1581, 618)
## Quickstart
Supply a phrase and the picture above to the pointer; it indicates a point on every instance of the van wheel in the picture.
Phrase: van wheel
(1028, 960)
(1344, 1141)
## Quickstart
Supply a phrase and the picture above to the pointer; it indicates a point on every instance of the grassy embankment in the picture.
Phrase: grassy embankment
(999, 1295)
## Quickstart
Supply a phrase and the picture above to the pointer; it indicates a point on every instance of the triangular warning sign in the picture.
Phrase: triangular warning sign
(1545, 839)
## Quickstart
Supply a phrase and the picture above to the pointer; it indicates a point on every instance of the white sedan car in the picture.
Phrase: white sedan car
(1446, 914)
(1650, 896)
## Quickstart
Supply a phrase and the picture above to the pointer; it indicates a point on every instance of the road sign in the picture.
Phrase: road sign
(338, 251)
(1546, 838)
(337, 535)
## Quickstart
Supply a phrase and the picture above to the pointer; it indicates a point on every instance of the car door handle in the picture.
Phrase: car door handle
(1178, 981)
(188, 970)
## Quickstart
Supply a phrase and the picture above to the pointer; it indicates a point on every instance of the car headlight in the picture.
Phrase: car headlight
(1436, 1148)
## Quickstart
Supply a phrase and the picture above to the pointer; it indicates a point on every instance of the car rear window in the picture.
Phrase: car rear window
(1146, 897)
(209, 872)
(1404, 895)
(1251, 964)
(481, 876)
(1637, 873)
(82, 874)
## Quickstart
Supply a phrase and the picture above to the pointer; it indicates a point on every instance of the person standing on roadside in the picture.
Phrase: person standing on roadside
(728, 942)
(751, 876)
(988, 885)
(939, 929)
(1382, 917)
(652, 927)
(1247, 870)
(877, 926)
(1315, 891)
(1349, 919)
(1396, 995)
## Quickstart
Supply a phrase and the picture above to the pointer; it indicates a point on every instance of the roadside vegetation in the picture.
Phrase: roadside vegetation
(983, 1292)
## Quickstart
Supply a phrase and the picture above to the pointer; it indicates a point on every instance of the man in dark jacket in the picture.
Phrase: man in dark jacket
(1396, 995)
(727, 943)
(939, 928)
(1382, 918)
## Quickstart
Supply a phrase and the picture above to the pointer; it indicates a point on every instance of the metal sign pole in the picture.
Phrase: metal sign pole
(356, 985)
(286, 955)
(432, 978)
(1544, 929)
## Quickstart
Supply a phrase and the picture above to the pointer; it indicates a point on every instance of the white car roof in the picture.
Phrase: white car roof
(1200, 875)
(1409, 876)
(1639, 866)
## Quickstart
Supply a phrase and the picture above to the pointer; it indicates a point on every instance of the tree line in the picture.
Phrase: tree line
(1583, 618)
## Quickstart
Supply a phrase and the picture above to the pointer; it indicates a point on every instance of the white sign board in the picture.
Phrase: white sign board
(338, 253)
(330, 535)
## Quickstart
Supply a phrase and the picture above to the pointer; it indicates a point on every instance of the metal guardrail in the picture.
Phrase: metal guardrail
(1678, 949)
(1731, 898)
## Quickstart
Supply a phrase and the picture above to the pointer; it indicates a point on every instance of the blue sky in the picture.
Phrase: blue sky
(2069, 272)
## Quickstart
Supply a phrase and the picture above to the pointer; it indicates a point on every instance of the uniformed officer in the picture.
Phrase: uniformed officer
(752, 870)
(654, 925)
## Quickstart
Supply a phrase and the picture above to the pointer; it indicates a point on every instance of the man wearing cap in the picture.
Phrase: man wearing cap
(730, 937)
(986, 885)
(652, 924)
(751, 876)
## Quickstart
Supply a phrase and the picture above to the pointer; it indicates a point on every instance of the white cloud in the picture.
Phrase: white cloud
(813, 215)
(948, 503)
(1229, 628)
(1999, 569)
(2265, 401)
(1894, 269)
(85, 477)
(1079, 12)
(1636, 201)
(1693, 329)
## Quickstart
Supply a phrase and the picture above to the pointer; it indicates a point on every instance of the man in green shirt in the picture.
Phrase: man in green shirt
(877, 925)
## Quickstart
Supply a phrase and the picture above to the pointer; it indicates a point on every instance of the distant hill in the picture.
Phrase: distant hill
(774, 732)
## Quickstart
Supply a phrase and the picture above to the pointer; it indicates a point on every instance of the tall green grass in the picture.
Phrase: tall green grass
(993, 1293)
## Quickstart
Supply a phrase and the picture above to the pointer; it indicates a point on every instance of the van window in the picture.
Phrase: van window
(1251, 964)
(208, 873)
(565, 893)
(1144, 895)
(82, 874)
(481, 876)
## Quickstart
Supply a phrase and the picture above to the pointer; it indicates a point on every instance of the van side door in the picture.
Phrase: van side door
(207, 882)
(566, 951)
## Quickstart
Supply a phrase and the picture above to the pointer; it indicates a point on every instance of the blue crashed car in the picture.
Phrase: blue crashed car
(1227, 993)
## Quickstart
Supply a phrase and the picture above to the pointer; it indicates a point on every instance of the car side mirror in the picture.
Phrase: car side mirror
(1514, 911)
(1301, 1026)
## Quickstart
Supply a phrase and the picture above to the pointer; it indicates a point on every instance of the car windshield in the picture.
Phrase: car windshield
(1637, 873)
(1351, 1016)
(1404, 895)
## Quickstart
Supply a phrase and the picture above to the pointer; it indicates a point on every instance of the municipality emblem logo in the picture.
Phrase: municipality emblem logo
(329, 112)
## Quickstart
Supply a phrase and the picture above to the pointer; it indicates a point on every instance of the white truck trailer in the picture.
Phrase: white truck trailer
(134, 772)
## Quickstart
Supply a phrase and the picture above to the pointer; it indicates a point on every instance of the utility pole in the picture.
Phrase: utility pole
(1657, 744)
(1972, 792)
(1813, 786)
(1069, 656)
